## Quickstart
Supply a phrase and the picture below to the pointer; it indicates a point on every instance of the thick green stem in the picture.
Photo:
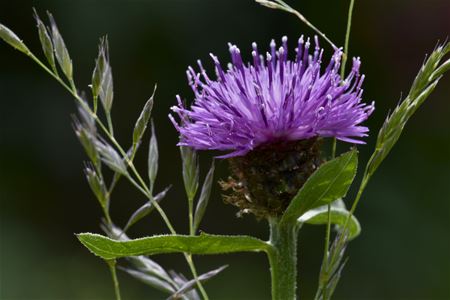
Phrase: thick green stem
(283, 261)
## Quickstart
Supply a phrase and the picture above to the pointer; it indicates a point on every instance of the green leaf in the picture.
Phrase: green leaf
(142, 121)
(319, 216)
(12, 39)
(153, 156)
(107, 248)
(329, 182)
(61, 52)
(190, 171)
(423, 85)
(204, 198)
(46, 42)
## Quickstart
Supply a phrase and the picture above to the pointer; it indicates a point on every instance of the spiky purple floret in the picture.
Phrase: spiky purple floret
(272, 100)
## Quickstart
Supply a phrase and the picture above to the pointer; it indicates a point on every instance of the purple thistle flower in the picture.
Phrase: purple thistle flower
(272, 100)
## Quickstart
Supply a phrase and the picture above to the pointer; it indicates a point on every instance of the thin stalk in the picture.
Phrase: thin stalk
(195, 274)
(283, 261)
(95, 104)
(328, 228)
(107, 217)
(284, 6)
(114, 182)
(364, 182)
(109, 121)
(189, 256)
(140, 185)
(344, 61)
(333, 155)
(112, 269)
(347, 37)
(191, 216)
(143, 188)
(333, 148)
(72, 85)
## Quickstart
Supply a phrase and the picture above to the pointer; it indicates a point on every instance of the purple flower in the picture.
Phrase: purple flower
(273, 100)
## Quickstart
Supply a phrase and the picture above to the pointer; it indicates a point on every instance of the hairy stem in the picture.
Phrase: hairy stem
(283, 261)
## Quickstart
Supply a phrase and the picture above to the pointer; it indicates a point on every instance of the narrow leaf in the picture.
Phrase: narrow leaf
(46, 42)
(329, 182)
(319, 216)
(332, 266)
(102, 80)
(108, 248)
(192, 283)
(97, 186)
(142, 121)
(12, 39)
(204, 198)
(190, 171)
(153, 157)
(148, 266)
(180, 280)
(145, 209)
(61, 52)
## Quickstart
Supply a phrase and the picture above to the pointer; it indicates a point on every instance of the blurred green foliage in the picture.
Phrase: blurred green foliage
(403, 250)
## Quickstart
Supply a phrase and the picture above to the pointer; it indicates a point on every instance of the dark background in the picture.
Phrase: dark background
(403, 251)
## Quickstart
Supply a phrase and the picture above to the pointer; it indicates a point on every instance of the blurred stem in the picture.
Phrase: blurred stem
(347, 37)
(333, 148)
(191, 216)
(141, 185)
(112, 268)
(283, 261)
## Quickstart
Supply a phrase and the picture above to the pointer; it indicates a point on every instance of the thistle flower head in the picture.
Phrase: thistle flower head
(274, 99)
